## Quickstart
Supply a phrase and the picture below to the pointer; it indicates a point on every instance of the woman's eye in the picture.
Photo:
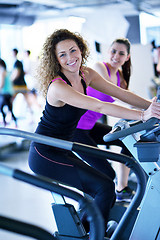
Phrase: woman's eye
(121, 53)
(73, 50)
(62, 55)
(113, 51)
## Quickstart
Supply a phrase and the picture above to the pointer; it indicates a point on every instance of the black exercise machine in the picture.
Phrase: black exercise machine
(93, 213)
(75, 229)
(25, 229)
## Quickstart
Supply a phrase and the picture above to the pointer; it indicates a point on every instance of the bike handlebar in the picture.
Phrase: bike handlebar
(124, 128)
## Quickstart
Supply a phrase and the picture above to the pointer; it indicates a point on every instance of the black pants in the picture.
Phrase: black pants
(6, 100)
(94, 137)
(64, 166)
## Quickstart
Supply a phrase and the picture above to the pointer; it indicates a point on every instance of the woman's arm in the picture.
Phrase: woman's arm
(59, 93)
(103, 85)
(15, 74)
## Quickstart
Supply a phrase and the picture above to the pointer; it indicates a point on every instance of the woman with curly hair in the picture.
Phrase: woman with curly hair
(63, 79)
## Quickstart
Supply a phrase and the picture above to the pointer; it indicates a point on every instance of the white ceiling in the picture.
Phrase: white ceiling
(17, 11)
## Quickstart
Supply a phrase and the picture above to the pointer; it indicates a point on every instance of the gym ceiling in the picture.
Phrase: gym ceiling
(26, 12)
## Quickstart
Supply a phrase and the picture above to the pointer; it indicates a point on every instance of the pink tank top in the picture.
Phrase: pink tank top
(88, 120)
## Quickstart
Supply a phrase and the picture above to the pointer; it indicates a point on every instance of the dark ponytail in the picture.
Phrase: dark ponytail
(126, 71)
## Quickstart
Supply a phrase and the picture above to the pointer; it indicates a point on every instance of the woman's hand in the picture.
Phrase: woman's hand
(152, 111)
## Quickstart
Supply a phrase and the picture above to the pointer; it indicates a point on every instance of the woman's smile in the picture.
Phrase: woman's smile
(72, 63)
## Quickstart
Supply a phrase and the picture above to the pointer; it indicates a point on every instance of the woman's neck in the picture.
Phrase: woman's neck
(113, 70)
(72, 76)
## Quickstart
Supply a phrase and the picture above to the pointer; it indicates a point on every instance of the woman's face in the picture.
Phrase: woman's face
(118, 54)
(68, 55)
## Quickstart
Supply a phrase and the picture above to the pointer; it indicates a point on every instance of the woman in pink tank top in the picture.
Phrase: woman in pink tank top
(91, 132)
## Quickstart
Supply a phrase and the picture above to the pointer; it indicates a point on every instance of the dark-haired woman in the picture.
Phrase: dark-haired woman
(117, 70)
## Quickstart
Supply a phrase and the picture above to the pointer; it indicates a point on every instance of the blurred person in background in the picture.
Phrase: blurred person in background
(19, 84)
(17, 75)
(29, 76)
(6, 92)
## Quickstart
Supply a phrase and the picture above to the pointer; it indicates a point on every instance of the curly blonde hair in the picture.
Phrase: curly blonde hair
(49, 66)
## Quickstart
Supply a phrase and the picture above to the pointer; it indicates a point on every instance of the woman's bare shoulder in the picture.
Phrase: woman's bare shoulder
(98, 66)
(89, 73)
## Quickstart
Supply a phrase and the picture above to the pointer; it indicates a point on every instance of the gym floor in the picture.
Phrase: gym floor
(22, 201)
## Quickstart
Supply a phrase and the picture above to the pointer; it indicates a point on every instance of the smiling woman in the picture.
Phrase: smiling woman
(49, 66)
(91, 132)
(68, 55)
(63, 79)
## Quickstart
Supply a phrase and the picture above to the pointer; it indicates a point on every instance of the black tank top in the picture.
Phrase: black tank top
(60, 122)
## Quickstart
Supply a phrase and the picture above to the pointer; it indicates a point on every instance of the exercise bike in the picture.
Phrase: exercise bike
(95, 218)
(67, 219)
(143, 141)
(68, 215)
